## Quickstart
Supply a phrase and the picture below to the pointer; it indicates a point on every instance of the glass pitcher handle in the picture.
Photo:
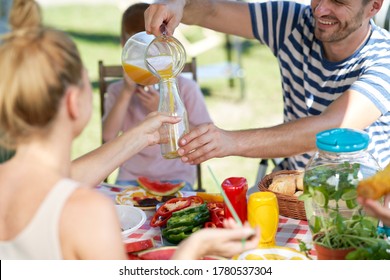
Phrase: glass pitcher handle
(163, 29)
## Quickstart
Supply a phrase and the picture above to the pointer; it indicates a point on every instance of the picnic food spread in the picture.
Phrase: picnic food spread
(180, 217)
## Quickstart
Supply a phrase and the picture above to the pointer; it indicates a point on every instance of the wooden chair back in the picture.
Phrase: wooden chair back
(110, 73)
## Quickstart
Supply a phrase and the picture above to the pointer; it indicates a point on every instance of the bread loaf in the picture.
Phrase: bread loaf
(287, 184)
(284, 184)
(299, 181)
(298, 193)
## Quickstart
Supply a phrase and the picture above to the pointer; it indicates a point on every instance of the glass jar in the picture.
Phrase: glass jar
(331, 177)
(172, 105)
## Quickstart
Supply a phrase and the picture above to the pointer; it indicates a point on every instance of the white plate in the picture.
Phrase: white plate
(131, 218)
(272, 253)
(126, 197)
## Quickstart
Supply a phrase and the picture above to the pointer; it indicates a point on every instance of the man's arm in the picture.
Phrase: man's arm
(224, 16)
(351, 110)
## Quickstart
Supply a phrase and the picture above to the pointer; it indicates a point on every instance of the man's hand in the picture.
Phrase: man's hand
(205, 142)
(169, 13)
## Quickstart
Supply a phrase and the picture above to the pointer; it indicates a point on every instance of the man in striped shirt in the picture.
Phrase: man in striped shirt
(335, 69)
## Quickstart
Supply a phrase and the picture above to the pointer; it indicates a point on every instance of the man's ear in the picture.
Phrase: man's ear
(376, 5)
(72, 102)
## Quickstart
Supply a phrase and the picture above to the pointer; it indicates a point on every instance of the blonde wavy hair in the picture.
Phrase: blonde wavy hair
(37, 65)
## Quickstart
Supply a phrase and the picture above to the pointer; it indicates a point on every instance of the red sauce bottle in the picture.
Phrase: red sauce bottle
(235, 189)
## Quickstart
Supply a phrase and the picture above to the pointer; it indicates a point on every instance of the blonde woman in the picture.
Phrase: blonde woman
(45, 102)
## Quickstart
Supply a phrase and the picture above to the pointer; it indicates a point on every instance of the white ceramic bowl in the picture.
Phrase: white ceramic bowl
(131, 218)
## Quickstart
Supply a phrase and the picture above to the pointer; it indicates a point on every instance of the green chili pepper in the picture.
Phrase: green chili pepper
(187, 220)
(190, 210)
(176, 238)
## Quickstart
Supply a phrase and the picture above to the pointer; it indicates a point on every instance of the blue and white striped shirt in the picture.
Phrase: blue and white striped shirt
(310, 82)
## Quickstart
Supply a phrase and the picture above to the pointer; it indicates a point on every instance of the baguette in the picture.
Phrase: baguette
(376, 186)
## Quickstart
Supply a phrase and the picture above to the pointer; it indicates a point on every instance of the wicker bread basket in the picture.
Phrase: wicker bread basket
(289, 205)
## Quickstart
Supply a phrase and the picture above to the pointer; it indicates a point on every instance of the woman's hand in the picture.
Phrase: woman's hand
(150, 126)
(224, 242)
(149, 97)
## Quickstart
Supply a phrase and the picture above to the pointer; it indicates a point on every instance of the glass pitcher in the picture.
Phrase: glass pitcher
(146, 57)
(133, 59)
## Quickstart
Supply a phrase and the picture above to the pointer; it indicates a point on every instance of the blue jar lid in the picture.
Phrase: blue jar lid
(342, 140)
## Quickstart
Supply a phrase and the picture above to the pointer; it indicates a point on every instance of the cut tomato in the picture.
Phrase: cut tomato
(173, 205)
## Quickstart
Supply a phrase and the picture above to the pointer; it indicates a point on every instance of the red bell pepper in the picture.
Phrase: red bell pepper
(159, 221)
(195, 200)
(209, 225)
(173, 205)
(217, 217)
(215, 205)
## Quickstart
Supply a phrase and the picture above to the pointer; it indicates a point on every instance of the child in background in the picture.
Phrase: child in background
(127, 104)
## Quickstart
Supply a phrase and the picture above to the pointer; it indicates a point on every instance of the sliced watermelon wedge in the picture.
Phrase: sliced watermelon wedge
(162, 253)
(166, 253)
(159, 188)
(140, 245)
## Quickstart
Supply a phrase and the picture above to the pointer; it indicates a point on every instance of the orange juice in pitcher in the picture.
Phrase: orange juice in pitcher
(138, 74)
(133, 59)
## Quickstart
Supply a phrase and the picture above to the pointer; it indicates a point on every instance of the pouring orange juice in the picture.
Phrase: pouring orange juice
(147, 60)
(165, 58)
(171, 104)
(263, 211)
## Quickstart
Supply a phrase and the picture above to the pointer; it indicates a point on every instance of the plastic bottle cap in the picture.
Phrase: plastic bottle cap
(341, 140)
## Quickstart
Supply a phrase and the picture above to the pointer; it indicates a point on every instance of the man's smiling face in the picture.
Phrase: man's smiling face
(335, 20)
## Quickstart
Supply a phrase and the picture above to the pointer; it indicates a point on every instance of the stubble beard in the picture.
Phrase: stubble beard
(345, 30)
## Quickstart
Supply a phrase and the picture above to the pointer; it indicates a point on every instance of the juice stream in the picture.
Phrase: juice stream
(167, 74)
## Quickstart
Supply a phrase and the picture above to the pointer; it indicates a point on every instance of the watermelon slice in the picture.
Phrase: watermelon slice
(162, 253)
(166, 253)
(159, 188)
(139, 245)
